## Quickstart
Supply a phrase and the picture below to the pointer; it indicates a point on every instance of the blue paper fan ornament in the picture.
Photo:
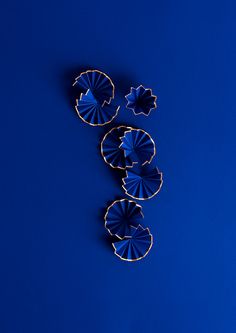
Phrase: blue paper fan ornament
(141, 100)
(142, 183)
(121, 215)
(138, 146)
(135, 246)
(111, 151)
(124, 148)
(98, 83)
(92, 112)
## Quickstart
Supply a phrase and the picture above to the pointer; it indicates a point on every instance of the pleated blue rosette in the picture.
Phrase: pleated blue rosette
(142, 182)
(99, 83)
(141, 100)
(124, 148)
(135, 246)
(121, 215)
(111, 151)
(95, 105)
(138, 146)
(92, 112)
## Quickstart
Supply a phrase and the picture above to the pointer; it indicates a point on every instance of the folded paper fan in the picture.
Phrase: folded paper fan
(141, 100)
(138, 146)
(94, 113)
(121, 215)
(98, 83)
(111, 151)
(136, 246)
(142, 182)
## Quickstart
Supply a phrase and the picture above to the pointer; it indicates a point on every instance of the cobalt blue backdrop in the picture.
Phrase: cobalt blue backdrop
(58, 270)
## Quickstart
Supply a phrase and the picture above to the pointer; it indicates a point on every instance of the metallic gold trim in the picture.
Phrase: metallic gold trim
(155, 104)
(77, 110)
(114, 202)
(151, 139)
(100, 72)
(104, 138)
(123, 186)
(131, 260)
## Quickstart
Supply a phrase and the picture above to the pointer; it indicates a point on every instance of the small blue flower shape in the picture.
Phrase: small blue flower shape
(121, 215)
(142, 183)
(135, 246)
(141, 100)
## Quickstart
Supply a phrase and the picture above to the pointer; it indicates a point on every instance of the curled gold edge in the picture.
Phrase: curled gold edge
(100, 72)
(108, 102)
(154, 145)
(131, 260)
(126, 192)
(105, 102)
(104, 138)
(114, 202)
(137, 114)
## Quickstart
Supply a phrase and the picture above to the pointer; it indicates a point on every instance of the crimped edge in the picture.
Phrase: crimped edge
(136, 198)
(151, 139)
(105, 102)
(100, 72)
(102, 153)
(131, 260)
(107, 210)
(137, 114)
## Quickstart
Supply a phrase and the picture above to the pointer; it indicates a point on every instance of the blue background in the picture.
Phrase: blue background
(58, 270)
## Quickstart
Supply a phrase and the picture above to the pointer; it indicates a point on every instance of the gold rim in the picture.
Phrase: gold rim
(104, 138)
(105, 101)
(114, 202)
(77, 110)
(100, 72)
(123, 186)
(151, 139)
(155, 104)
(130, 260)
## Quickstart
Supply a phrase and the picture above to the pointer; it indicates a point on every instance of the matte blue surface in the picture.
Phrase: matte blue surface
(58, 270)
